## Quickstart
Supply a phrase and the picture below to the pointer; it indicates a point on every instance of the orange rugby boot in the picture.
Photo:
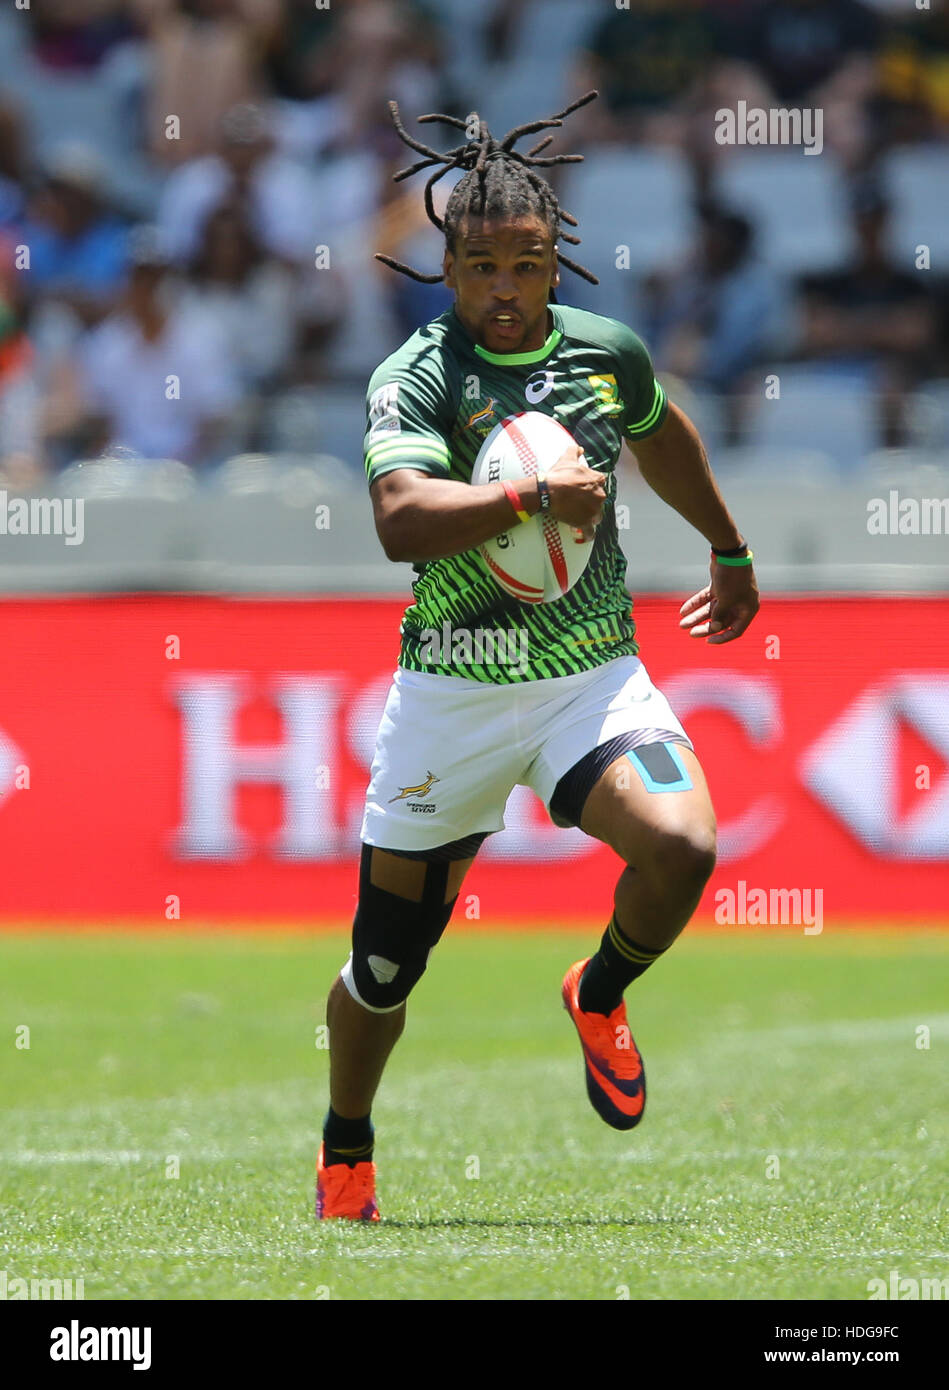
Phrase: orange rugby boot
(346, 1192)
(616, 1079)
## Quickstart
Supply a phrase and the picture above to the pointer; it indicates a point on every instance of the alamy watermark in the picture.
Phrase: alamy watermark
(43, 516)
(894, 515)
(771, 907)
(907, 1290)
(753, 125)
(77, 1343)
(480, 646)
(13, 1289)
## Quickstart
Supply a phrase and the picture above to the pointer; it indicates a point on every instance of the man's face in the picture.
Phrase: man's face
(142, 287)
(71, 209)
(502, 274)
(243, 156)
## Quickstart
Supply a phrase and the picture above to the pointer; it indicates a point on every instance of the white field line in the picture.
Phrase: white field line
(858, 1030)
(853, 1260)
(118, 1158)
(262, 1098)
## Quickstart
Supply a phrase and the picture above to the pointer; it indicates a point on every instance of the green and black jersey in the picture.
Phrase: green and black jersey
(431, 405)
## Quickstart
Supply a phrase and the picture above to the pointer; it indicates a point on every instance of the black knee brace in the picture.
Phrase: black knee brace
(393, 937)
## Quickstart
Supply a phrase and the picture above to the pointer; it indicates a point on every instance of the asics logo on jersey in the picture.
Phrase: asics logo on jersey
(538, 386)
(481, 414)
(422, 789)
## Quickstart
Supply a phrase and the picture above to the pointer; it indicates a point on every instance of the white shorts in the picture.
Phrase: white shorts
(449, 750)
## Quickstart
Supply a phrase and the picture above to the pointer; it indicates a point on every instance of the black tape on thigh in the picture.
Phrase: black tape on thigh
(575, 786)
(465, 848)
(392, 935)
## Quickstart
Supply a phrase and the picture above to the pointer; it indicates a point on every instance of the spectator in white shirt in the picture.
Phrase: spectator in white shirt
(159, 378)
(277, 193)
(253, 298)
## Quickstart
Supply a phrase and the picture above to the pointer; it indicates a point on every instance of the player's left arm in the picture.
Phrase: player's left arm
(674, 464)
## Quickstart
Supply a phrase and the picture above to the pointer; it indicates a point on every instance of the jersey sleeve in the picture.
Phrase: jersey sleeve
(409, 417)
(645, 400)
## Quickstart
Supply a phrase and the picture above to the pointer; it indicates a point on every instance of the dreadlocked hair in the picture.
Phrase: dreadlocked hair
(499, 182)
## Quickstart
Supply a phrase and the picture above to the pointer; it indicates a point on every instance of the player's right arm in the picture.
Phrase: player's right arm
(422, 514)
(420, 518)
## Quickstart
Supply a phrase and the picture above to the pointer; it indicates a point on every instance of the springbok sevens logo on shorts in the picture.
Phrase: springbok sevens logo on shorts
(422, 789)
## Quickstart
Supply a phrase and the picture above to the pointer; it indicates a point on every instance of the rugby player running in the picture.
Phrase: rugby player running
(579, 721)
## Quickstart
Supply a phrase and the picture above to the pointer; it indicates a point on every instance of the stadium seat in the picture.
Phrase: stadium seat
(331, 419)
(911, 467)
(99, 110)
(522, 89)
(543, 50)
(461, 30)
(705, 409)
(746, 463)
(929, 415)
(246, 475)
(533, 81)
(136, 534)
(298, 480)
(306, 481)
(265, 541)
(796, 203)
(832, 413)
(916, 180)
(163, 479)
(639, 198)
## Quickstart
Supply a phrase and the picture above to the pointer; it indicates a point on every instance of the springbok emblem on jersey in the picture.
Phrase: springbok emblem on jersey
(482, 414)
(422, 789)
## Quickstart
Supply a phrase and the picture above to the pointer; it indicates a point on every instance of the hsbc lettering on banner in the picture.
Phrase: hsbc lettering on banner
(234, 776)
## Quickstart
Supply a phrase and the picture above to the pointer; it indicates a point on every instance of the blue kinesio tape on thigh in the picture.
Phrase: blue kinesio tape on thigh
(661, 767)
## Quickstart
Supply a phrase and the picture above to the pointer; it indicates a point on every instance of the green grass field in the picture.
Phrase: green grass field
(765, 1054)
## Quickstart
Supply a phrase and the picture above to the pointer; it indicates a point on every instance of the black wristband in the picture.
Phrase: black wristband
(732, 554)
(544, 492)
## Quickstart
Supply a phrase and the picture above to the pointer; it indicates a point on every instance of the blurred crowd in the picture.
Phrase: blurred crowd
(191, 192)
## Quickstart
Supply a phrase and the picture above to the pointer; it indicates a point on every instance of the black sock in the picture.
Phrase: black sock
(618, 962)
(347, 1141)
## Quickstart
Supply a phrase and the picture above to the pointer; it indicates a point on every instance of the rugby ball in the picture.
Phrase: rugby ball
(541, 559)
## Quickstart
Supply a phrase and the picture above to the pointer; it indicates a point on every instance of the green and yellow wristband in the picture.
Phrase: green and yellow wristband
(738, 555)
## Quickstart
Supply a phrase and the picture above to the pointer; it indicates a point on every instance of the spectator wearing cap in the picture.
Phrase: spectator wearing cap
(158, 377)
(874, 316)
(76, 243)
(276, 192)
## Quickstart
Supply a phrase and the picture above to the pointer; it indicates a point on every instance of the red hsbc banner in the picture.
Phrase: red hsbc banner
(190, 759)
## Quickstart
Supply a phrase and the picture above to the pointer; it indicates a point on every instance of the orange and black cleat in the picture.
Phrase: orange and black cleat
(346, 1192)
(616, 1079)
